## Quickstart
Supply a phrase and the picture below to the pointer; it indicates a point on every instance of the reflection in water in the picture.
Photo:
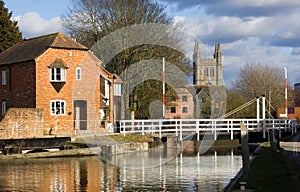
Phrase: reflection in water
(183, 173)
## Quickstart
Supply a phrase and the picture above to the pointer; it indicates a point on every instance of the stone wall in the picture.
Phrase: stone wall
(23, 123)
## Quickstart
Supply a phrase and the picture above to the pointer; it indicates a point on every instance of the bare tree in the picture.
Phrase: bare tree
(89, 20)
(257, 79)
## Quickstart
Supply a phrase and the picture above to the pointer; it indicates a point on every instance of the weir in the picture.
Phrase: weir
(8, 146)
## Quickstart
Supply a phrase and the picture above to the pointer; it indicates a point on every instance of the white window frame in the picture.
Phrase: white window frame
(57, 107)
(4, 80)
(4, 108)
(117, 89)
(78, 73)
(55, 76)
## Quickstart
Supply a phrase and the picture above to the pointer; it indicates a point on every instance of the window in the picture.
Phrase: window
(173, 98)
(4, 108)
(212, 72)
(58, 74)
(185, 110)
(78, 73)
(117, 89)
(184, 98)
(4, 78)
(206, 72)
(173, 109)
(57, 107)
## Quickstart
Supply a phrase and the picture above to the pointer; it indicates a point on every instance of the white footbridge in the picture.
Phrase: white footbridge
(183, 127)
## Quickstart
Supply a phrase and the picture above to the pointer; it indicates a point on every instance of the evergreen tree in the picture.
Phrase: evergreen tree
(9, 31)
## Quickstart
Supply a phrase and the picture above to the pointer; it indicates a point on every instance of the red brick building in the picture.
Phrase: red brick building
(57, 76)
(182, 107)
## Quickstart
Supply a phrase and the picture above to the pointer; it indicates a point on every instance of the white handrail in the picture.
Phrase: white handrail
(194, 126)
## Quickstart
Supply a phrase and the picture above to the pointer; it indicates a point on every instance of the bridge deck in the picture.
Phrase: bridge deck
(180, 127)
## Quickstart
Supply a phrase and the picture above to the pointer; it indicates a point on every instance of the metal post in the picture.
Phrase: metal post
(215, 129)
(231, 134)
(257, 109)
(264, 115)
(197, 130)
(180, 130)
(263, 107)
(160, 123)
(143, 128)
(164, 91)
(286, 92)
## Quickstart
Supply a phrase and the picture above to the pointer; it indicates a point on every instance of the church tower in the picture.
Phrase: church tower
(207, 71)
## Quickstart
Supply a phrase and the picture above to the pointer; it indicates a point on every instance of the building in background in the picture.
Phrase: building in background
(206, 97)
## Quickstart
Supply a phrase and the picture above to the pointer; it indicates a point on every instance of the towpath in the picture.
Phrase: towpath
(292, 147)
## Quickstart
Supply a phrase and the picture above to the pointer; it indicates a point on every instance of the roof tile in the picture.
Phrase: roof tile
(30, 49)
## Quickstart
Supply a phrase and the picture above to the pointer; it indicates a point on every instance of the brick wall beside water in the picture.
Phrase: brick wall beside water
(23, 123)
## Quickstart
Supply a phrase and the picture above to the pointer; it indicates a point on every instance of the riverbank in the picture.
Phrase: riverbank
(118, 144)
(273, 170)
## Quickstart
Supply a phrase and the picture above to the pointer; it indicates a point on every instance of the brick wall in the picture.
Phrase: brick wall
(31, 88)
(23, 123)
(88, 89)
(85, 89)
(180, 104)
(23, 85)
(20, 88)
(46, 92)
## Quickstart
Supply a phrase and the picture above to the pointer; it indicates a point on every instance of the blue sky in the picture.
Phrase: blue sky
(46, 8)
(250, 31)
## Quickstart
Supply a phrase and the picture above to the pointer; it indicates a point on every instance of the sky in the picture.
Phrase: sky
(250, 31)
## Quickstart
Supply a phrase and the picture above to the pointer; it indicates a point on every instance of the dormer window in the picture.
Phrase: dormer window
(58, 71)
(58, 74)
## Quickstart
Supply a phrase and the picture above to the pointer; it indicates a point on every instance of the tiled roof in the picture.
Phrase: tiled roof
(59, 63)
(30, 49)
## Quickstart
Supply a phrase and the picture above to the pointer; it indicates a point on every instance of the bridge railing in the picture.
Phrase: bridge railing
(181, 127)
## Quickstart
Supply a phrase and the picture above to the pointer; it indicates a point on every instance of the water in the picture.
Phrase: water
(182, 173)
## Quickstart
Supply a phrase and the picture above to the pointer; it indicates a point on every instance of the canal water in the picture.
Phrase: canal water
(209, 172)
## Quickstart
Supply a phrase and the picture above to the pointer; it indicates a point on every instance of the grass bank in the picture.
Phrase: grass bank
(273, 171)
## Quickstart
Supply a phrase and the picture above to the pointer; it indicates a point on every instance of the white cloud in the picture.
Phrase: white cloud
(260, 3)
(252, 40)
(32, 24)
